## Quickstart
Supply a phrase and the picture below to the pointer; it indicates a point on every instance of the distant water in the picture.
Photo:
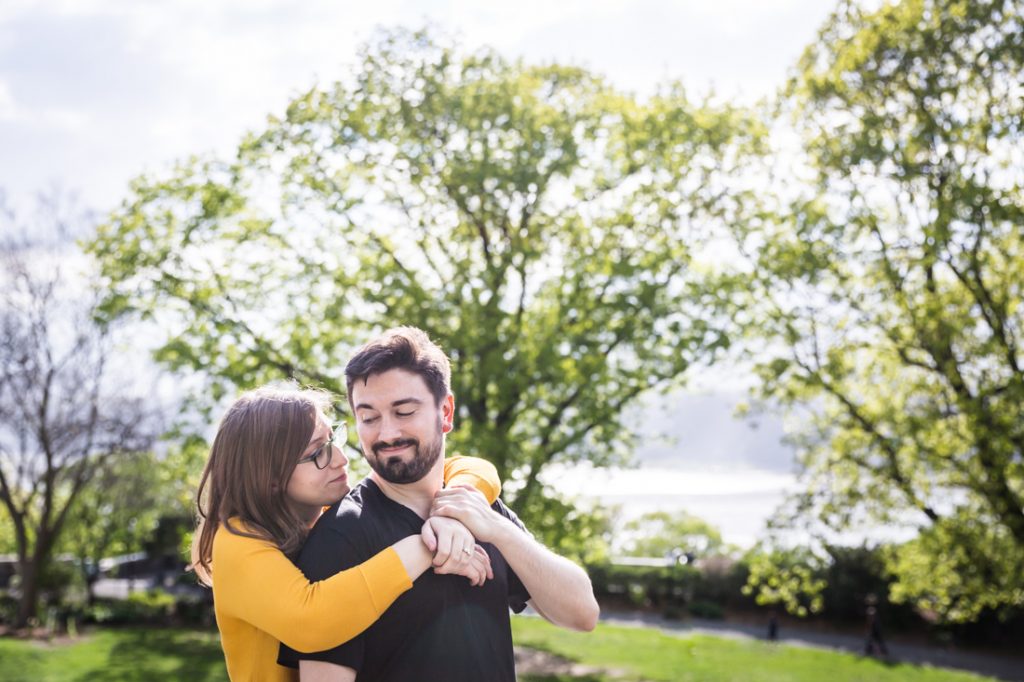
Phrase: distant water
(738, 501)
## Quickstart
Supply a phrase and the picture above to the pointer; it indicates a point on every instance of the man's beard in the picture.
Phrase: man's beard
(393, 469)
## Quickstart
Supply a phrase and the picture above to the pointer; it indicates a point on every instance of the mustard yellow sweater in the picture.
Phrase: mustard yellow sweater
(261, 598)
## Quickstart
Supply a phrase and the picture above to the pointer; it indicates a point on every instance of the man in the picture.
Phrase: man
(873, 639)
(443, 628)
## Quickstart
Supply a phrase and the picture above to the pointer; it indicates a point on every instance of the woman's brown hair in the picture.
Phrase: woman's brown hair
(258, 442)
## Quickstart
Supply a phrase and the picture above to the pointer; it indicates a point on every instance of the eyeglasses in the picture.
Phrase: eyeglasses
(321, 457)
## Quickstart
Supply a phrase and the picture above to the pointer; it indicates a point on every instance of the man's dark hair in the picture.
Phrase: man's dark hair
(405, 348)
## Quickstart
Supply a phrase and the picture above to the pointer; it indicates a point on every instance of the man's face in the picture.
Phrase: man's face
(400, 426)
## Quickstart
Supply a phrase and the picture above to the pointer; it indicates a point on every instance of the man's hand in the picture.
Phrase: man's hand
(470, 507)
(559, 589)
(455, 550)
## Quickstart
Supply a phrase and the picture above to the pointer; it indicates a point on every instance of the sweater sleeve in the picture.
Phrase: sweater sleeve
(479, 473)
(255, 582)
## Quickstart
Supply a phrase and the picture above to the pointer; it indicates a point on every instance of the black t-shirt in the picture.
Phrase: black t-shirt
(441, 629)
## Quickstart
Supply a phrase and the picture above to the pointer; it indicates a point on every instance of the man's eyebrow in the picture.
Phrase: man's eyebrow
(397, 403)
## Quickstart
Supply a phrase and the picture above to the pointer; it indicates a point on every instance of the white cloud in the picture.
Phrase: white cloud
(61, 120)
(13, 8)
(50, 118)
(8, 109)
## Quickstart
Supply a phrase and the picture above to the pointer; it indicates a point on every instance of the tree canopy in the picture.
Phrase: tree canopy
(133, 503)
(662, 534)
(886, 276)
(536, 222)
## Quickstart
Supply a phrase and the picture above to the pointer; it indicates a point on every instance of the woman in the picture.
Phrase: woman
(273, 467)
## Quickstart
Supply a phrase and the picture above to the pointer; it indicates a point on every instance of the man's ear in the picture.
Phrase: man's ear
(447, 413)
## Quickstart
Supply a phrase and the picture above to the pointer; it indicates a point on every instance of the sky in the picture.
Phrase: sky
(96, 92)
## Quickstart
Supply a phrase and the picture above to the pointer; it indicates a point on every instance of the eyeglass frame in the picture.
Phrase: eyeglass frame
(341, 428)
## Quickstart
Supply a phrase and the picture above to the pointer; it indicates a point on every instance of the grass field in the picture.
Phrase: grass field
(117, 656)
(615, 654)
(644, 654)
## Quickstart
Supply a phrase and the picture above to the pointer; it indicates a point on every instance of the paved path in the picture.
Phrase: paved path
(999, 666)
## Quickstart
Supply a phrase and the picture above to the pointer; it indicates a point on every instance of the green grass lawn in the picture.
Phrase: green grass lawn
(123, 655)
(645, 654)
(134, 655)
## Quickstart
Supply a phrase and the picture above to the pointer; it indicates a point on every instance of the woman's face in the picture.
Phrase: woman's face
(311, 489)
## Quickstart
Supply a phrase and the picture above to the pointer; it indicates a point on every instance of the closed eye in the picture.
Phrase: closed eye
(406, 414)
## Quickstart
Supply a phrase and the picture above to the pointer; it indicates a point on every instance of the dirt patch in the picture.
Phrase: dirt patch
(37, 635)
(534, 662)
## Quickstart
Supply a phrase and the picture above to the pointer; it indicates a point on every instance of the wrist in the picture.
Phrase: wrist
(502, 531)
(414, 555)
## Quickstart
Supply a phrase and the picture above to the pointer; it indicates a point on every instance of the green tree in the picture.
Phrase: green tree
(125, 506)
(7, 544)
(886, 273)
(793, 577)
(537, 223)
(836, 581)
(659, 534)
(112, 515)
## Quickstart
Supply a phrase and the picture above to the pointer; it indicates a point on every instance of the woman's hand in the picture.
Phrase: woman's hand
(477, 567)
(455, 550)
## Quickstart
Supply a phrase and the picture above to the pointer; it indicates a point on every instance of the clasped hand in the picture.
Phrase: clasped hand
(470, 507)
(455, 550)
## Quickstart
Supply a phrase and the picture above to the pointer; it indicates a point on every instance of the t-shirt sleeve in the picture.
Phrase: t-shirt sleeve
(479, 473)
(518, 595)
(337, 546)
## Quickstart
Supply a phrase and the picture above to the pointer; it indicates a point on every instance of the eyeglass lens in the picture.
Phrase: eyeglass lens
(326, 451)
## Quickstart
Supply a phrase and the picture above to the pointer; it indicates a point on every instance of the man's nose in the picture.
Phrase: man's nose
(389, 429)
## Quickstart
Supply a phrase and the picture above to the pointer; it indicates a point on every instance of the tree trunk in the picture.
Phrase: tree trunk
(29, 601)
(90, 589)
(90, 575)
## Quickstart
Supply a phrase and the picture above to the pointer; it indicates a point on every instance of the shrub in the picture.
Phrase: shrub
(149, 607)
(706, 609)
(8, 608)
(661, 587)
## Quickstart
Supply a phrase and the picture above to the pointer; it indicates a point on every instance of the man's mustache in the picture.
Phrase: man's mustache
(400, 443)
